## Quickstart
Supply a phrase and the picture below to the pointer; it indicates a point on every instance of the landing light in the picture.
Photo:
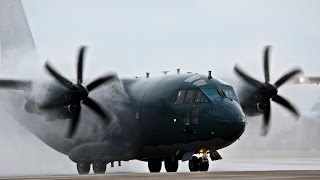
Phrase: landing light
(203, 152)
(174, 120)
(301, 79)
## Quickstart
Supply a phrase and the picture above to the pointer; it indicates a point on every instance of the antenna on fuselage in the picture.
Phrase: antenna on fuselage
(147, 74)
(209, 75)
(165, 72)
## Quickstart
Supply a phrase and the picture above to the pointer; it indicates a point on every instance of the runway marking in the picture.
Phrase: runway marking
(239, 175)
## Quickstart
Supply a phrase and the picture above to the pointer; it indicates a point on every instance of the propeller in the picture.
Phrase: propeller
(78, 94)
(268, 91)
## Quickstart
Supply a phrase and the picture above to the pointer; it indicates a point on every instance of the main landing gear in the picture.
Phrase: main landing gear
(99, 167)
(83, 167)
(198, 164)
(170, 164)
(154, 165)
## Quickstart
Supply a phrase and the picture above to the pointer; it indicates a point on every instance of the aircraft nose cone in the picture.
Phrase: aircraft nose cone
(232, 130)
(232, 125)
(232, 112)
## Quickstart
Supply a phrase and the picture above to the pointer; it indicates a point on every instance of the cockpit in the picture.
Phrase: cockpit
(214, 93)
(204, 95)
(190, 96)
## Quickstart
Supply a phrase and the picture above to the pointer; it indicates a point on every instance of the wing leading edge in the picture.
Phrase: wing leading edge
(15, 84)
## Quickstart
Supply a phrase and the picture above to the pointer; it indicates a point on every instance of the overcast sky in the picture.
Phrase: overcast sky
(132, 37)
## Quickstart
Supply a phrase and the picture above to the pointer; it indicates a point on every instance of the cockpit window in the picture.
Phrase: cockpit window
(212, 93)
(200, 97)
(190, 96)
(229, 92)
(180, 97)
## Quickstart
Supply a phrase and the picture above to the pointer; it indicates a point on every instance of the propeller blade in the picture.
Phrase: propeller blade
(266, 64)
(95, 107)
(247, 78)
(280, 100)
(74, 121)
(80, 64)
(286, 77)
(266, 117)
(94, 84)
(65, 82)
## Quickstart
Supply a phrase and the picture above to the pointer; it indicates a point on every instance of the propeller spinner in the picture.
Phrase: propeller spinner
(269, 91)
(78, 94)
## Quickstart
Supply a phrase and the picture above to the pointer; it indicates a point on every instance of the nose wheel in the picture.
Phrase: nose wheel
(198, 164)
(203, 164)
(194, 164)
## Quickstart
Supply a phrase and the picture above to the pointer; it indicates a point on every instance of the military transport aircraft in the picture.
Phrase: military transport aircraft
(176, 117)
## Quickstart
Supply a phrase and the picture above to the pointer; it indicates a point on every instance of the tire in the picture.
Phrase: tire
(203, 164)
(83, 167)
(154, 165)
(171, 166)
(99, 167)
(194, 164)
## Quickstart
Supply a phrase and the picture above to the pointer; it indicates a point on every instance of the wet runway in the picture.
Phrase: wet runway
(245, 175)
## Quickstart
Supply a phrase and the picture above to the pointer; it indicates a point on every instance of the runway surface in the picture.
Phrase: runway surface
(262, 168)
(245, 175)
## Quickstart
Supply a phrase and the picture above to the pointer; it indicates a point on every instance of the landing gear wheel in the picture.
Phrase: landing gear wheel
(171, 165)
(154, 165)
(99, 167)
(83, 167)
(194, 164)
(203, 164)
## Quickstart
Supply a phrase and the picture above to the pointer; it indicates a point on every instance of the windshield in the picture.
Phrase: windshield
(212, 93)
(229, 92)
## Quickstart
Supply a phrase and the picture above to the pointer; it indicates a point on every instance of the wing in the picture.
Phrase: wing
(307, 80)
(15, 84)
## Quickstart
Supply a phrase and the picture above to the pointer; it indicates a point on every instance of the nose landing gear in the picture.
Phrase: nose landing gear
(203, 164)
(194, 164)
(198, 164)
